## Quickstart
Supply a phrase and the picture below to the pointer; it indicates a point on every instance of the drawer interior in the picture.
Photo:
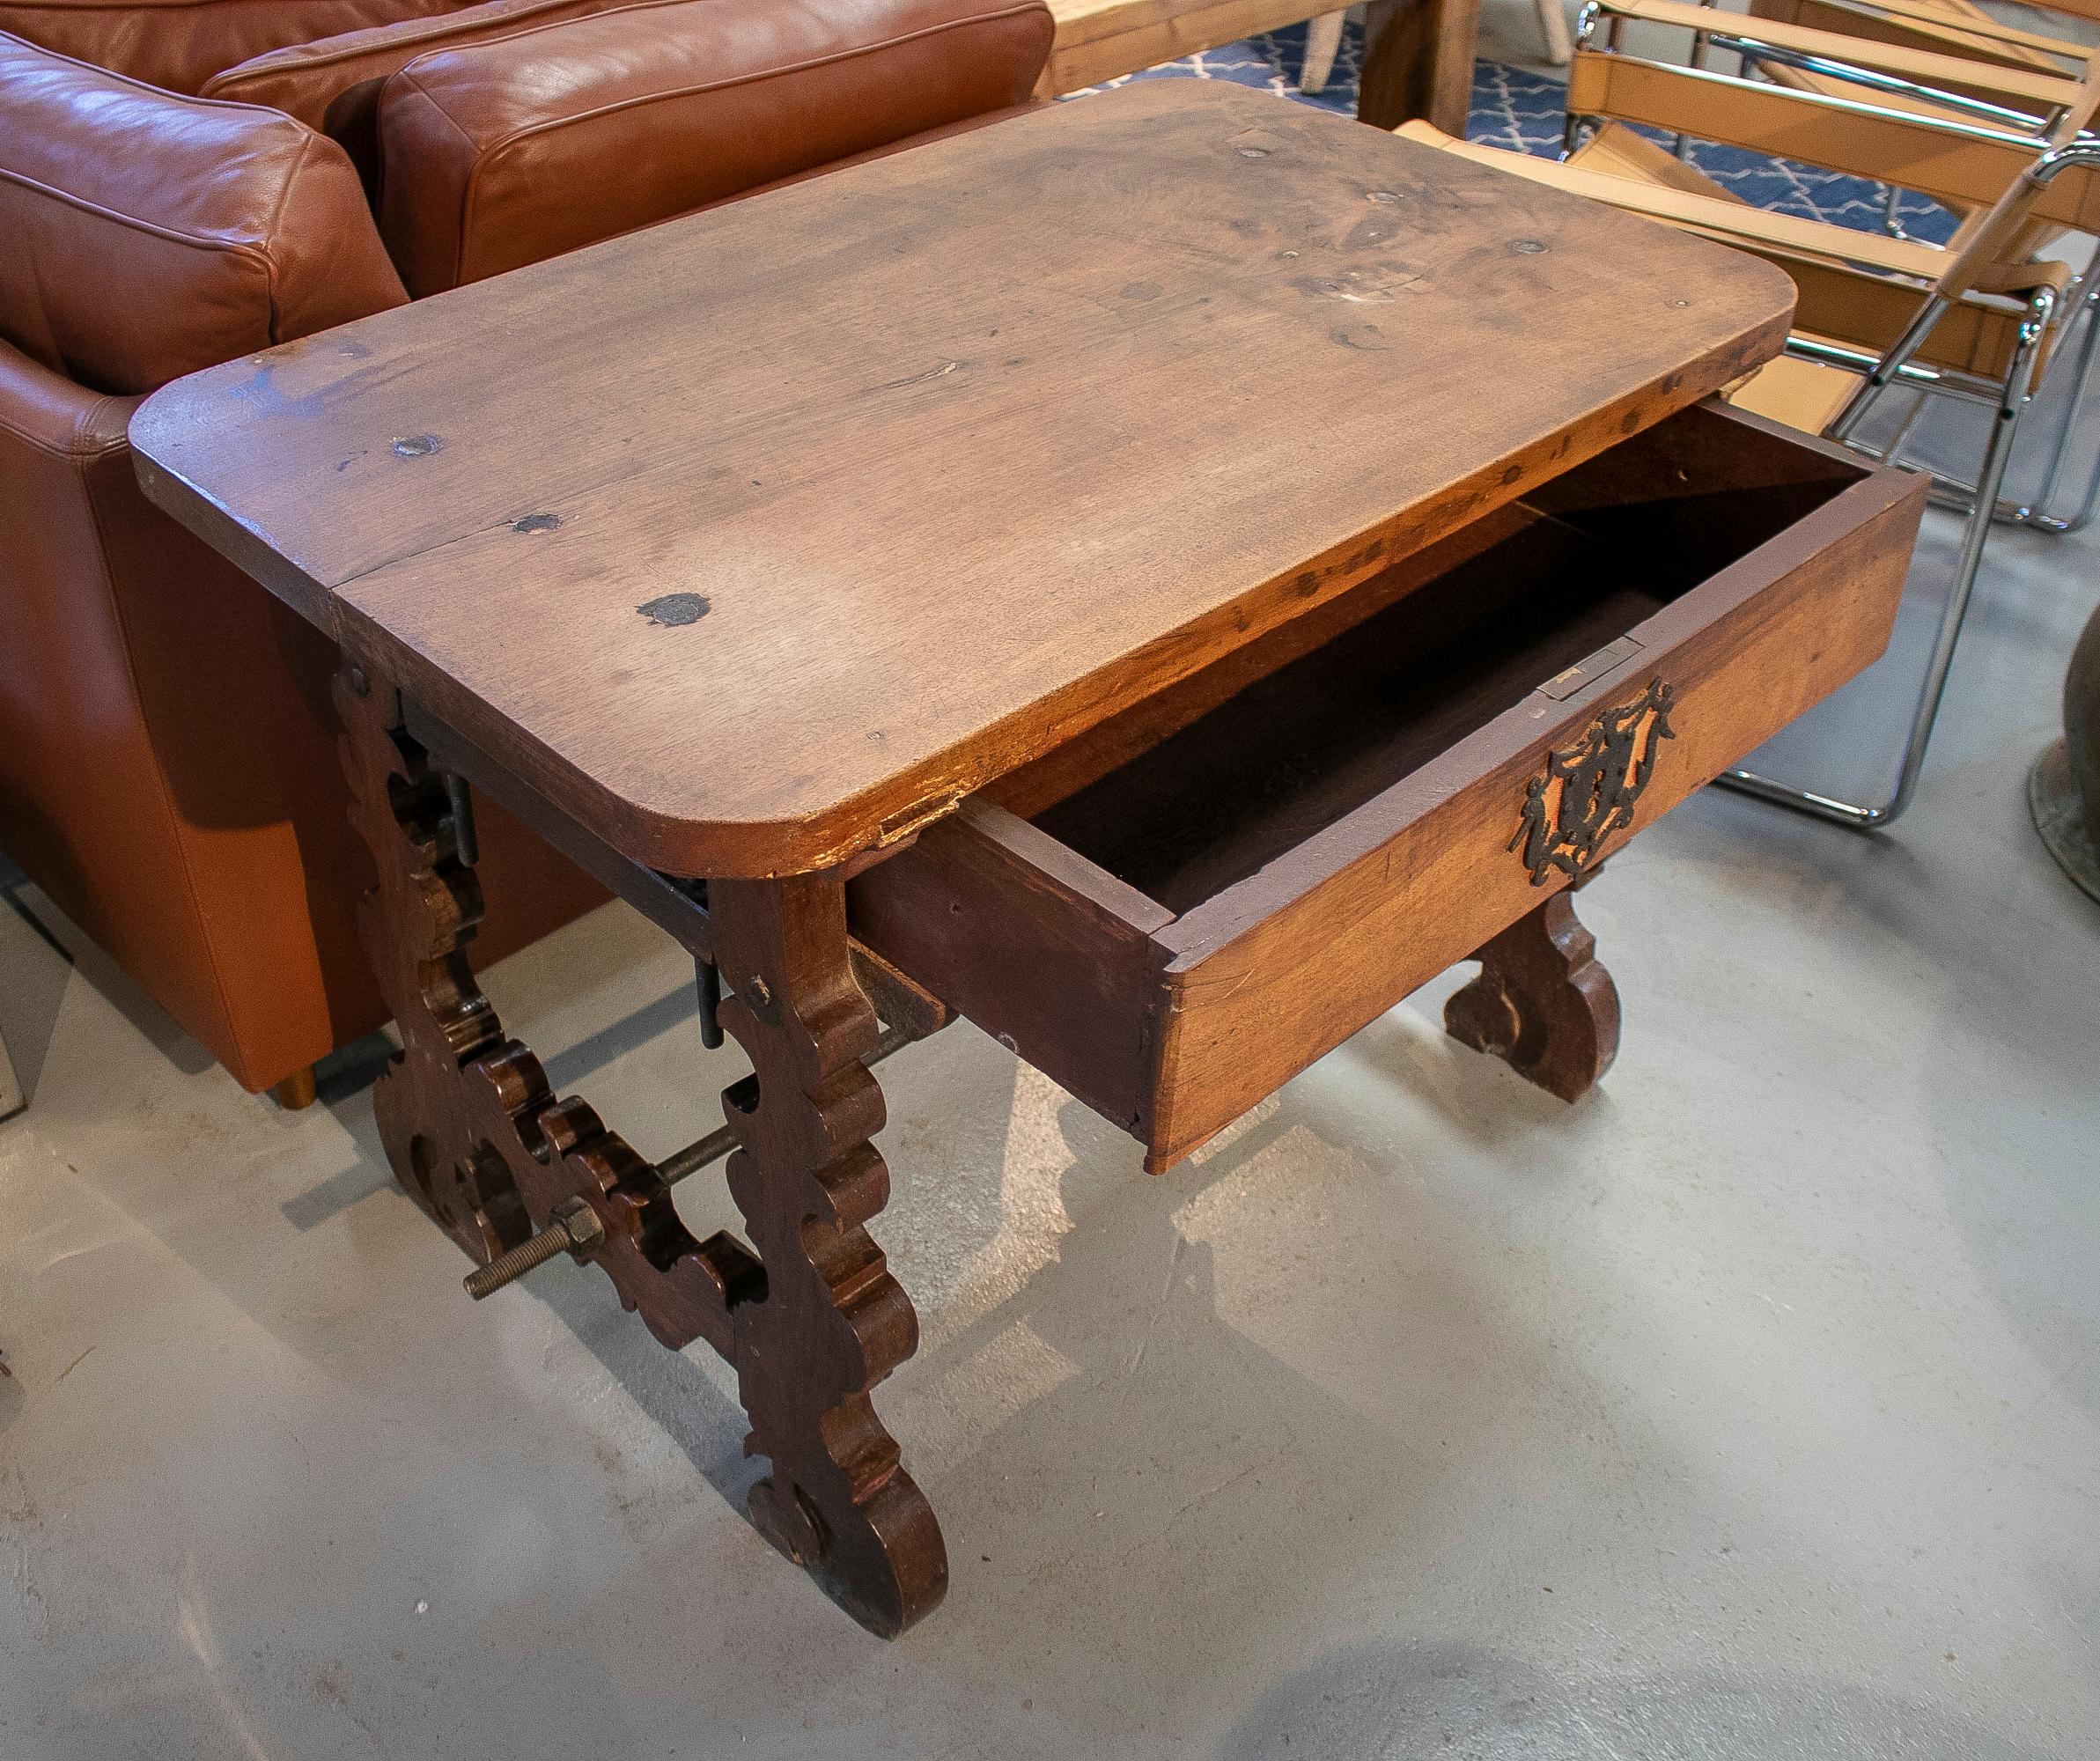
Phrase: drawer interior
(1435, 650)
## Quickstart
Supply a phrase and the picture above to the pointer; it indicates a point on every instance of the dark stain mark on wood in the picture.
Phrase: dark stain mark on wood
(675, 611)
(417, 446)
(537, 522)
(1363, 337)
(1526, 247)
(1143, 289)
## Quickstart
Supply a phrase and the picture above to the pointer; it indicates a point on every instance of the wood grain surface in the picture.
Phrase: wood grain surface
(759, 539)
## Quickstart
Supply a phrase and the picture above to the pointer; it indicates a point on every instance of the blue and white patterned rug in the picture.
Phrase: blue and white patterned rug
(1525, 112)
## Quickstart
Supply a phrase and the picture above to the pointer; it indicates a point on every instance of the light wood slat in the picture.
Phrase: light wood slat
(1721, 214)
(1860, 138)
(1969, 29)
(2046, 91)
(1098, 40)
(1803, 395)
(1842, 293)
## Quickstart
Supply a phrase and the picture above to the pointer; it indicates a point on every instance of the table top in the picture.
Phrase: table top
(756, 539)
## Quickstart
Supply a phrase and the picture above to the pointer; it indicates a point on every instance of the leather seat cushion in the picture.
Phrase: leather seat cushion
(150, 235)
(507, 152)
(334, 85)
(180, 44)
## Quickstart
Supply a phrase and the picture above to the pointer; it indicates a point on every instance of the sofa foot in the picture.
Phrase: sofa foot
(296, 1092)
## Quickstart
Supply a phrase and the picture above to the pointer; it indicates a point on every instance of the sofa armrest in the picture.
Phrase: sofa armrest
(132, 790)
(47, 413)
(503, 153)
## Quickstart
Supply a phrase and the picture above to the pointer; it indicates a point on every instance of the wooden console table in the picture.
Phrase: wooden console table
(1156, 578)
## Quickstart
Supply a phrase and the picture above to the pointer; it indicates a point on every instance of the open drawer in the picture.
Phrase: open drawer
(1179, 910)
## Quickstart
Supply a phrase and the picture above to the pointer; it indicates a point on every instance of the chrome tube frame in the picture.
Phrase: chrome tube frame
(1682, 146)
(1752, 49)
(1997, 452)
(2017, 389)
(1958, 496)
(2008, 398)
(1956, 126)
(1893, 221)
(1572, 131)
(2043, 172)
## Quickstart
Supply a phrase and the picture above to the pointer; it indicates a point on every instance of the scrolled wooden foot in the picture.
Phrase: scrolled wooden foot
(1542, 1002)
(832, 1323)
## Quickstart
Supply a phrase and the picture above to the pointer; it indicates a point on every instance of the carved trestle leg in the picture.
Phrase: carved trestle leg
(1542, 1002)
(813, 1320)
(834, 1323)
(415, 925)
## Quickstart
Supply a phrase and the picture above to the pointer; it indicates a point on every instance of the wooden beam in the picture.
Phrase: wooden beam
(1099, 41)
(1419, 60)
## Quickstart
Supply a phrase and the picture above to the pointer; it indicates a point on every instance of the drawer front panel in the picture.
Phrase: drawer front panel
(1272, 974)
(1172, 1023)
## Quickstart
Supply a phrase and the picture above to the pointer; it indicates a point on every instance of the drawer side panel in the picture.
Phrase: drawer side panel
(1051, 957)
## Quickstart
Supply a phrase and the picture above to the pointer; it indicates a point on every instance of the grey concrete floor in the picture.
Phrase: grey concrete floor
(1751, 1408)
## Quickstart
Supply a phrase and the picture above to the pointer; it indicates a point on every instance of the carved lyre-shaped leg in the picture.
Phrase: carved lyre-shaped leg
(1542, 1002)
(469, 1121)
(833, 1321)
(813, 1321)
(415, 926)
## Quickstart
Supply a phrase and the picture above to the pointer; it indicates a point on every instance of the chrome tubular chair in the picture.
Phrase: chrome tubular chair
(1959, 322)
(1956, 126)
(2008, 146)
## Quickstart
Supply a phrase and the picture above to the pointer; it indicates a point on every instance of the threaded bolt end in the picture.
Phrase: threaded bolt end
(488, 1279)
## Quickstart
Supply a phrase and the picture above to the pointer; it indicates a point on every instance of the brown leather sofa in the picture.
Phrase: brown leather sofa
(166, 745)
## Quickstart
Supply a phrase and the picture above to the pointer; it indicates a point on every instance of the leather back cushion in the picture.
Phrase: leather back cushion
(150, 235)
(180, 44)
(507, 152)
(334, 85)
